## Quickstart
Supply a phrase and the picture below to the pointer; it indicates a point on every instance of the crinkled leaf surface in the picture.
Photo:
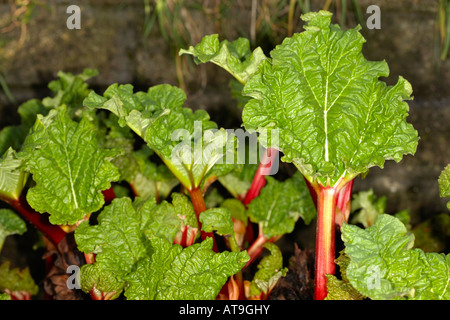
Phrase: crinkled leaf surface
(280, 204)
(385, 266)
(341, 289)
(174, 273)
(119, 240)
(235, 57)
(69, 168)
(166, 220)
(98, 277)
(188, 142)
(444, 184)
(334, 117)
(137, 110)
(217, 219)
(270, 270)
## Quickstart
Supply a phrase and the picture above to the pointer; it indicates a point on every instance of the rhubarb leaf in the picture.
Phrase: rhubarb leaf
(217, 219)
(270, 270)
(384, 264)
(137, 110)
(69, 168)
(366, 207)
(280, 204)
(174, 273)
(188, 142)
(120, 238)
(10, 223)
(13, 136)
(444, 184)
(235, 57)
(151, 179)
(69, 90)
(167, 220)
(94, 276)
(341, 289)
(334, 118)
(117, 239)
(12, 177)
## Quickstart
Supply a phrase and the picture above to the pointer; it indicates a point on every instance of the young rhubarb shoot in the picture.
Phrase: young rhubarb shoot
(335, 118)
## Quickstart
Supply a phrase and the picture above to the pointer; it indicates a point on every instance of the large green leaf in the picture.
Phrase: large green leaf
(187, 141)
(69, 168)
(335, 119)
(174, 273)
(384, 264)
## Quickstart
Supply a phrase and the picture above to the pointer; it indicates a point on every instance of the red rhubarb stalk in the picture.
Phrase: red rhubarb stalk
(199, 206)
(343, 202)
(109, 195)
(324, 256)
(40, 221)
(259, 180)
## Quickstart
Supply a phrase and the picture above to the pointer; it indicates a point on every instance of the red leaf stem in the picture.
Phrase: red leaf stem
(40, 221)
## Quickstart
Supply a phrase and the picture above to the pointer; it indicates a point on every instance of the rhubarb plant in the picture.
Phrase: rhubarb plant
(132, 177)
(334, 116)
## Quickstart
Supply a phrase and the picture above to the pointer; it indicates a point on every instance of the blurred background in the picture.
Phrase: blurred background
(137, 42)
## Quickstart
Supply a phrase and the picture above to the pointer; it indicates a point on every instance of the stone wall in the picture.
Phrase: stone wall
(111, 40)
